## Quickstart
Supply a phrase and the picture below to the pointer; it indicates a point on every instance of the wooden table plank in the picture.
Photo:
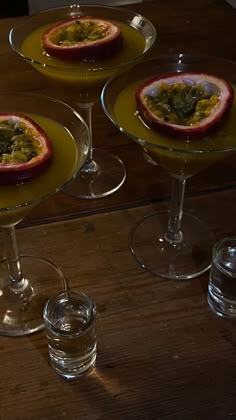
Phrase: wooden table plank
(162, 353)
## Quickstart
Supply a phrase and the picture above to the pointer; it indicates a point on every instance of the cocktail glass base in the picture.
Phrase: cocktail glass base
(104, 175)
(181, 260)
(21, 308)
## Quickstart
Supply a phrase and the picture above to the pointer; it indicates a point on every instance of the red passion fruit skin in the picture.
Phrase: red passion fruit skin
(84, 50)
(15, 172)
(216, 85)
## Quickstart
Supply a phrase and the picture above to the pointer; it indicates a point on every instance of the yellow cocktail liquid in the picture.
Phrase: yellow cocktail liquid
(180, 157)
(86, 77)
(66, 159)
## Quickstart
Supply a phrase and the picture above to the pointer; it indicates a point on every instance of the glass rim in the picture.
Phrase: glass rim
(223, 241)
(80, 6)
(226, 243)
(57, 299)
(176, 57)
(64, 104)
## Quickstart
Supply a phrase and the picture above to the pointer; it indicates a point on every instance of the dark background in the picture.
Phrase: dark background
(11, 8)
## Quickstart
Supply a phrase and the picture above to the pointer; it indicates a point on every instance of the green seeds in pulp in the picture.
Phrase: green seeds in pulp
(181, 103)
(79, 31)
(18, 142)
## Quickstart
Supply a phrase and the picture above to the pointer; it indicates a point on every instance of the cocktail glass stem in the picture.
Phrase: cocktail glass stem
(26, 282)
(174, 233)
(173, 244)
(85, 110)
(103, 172)
(17, 282)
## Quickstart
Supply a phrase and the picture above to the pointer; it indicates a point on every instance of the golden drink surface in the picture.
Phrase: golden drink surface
(64, 161)
(179, 156)
(87, 77)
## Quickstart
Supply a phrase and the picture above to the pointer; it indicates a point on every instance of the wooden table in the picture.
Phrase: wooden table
(162, 352)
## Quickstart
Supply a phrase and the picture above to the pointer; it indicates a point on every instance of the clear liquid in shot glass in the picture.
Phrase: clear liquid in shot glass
(222, 282)
(71, 335)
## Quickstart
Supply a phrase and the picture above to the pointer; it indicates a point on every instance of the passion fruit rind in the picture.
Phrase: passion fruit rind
(82, 38)
(184, 104)
(25, 149)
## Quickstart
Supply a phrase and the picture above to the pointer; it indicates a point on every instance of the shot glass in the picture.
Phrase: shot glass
(69, 319)
(222, 282)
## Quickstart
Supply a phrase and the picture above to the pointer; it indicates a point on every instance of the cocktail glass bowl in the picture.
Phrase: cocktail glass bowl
(26, 282)
(171, 244)
(103, 172)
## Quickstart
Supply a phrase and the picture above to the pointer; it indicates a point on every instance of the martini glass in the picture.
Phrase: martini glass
(171, 244)
(26, 282)
(103, 172)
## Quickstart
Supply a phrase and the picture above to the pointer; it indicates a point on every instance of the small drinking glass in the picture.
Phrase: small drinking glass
(69, 319)
(222, 284)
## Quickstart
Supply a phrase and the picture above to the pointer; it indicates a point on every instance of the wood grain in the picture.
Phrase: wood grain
(162, 353)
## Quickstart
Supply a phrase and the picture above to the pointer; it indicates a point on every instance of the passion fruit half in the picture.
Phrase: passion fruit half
(185, 104)
(82, 38)
(25, 150)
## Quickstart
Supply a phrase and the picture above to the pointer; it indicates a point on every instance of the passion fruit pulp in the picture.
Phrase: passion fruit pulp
(82, 38)
(185, 104)
(25, 150)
